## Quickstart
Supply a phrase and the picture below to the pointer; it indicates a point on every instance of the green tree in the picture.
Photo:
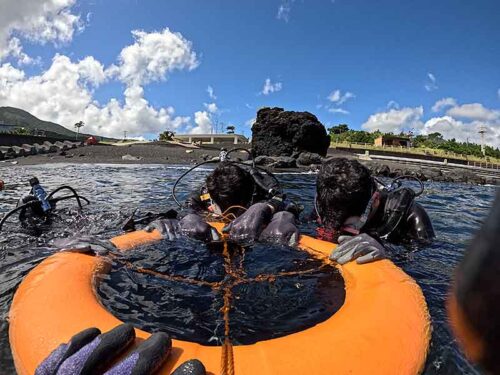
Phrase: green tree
(167, 135)
(78, 125)
(338, 129)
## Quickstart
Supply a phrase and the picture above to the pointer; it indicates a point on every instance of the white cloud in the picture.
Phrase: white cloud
(270, 87)
(10, 75)
(64, 92)
(37, 21)
(15, 50)
(395, 120)
(462, 131)
(211, 107)
(431, 83)
(153, 56)
(392, 104)
(474, 111)
(203, 121)
(284, 10)
(250, 122)
(211, 93)
(338, 98)
(461, 122)
(338, 110)
(444, 103)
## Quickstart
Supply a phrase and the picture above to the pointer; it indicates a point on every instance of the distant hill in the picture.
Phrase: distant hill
(19, 117)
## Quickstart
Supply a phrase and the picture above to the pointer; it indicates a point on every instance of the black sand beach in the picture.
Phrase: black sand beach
(127, 154)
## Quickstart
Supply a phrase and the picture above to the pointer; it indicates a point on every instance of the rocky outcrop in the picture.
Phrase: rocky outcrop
(309, 158)
(277, 132)
(426, 173)
(276, 161)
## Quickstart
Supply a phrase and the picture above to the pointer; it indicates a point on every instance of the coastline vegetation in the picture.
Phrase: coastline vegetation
(431, 144)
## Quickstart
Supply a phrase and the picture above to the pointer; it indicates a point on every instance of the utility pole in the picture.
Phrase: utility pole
(482, 130)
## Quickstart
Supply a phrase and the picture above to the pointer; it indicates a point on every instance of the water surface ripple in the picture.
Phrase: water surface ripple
(116, 190)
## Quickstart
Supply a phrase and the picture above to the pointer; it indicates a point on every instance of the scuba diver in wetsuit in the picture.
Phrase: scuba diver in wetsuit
(37, 208)
(252, 196)
(350, 202)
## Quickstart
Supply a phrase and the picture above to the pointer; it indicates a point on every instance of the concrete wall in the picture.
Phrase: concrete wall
(18, 140)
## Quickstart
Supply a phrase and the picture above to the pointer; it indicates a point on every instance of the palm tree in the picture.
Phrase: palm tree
(78, 125)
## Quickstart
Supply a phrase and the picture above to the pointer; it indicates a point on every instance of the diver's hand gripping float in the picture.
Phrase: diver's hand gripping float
(282, 229)
(363, 248)
(84, 244)
(259, 223)
(248, 227)
(90, 352)
(191, 225)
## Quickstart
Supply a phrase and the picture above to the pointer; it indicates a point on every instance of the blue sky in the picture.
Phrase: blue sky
(373, 65)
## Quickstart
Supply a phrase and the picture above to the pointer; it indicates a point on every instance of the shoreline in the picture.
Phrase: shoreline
(168, 154)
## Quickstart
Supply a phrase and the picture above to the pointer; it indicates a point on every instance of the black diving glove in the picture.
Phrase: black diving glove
(90, 352)
(191, 225)
(168, 228)
(84, 244)
(248, 227)
(363, 248)
(282, 229)
(191, 367)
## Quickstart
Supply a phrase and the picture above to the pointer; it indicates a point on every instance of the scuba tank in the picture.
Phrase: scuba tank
(399, 201)
(40, 194)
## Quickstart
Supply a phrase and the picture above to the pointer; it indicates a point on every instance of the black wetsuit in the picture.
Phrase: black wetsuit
(411, 223)
(414, 225)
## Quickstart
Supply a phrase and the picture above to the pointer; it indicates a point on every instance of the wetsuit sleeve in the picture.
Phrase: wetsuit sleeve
(418, 224)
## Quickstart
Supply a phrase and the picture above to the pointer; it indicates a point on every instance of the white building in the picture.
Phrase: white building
(210, 139)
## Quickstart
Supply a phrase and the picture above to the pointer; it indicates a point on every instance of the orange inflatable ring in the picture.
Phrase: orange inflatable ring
(383, 326)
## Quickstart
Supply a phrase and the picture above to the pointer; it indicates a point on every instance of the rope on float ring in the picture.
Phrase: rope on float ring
(227, 360)
(238, 274)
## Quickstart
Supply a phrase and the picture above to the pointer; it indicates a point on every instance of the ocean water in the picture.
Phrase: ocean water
(116, 190)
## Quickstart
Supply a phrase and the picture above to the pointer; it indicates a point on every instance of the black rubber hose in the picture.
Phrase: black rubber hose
(55, 200)
(265, 188)
(12, 212)
(185, 173)
(66, 187)
(409, 177)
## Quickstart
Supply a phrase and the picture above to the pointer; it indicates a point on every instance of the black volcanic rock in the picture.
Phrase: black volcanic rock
(308, 158)
(277, 132)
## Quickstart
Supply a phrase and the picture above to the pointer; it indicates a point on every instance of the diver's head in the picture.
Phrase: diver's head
(230, 185)
(343, 189)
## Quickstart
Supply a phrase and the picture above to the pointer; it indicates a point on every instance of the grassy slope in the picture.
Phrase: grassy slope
(16, 116)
